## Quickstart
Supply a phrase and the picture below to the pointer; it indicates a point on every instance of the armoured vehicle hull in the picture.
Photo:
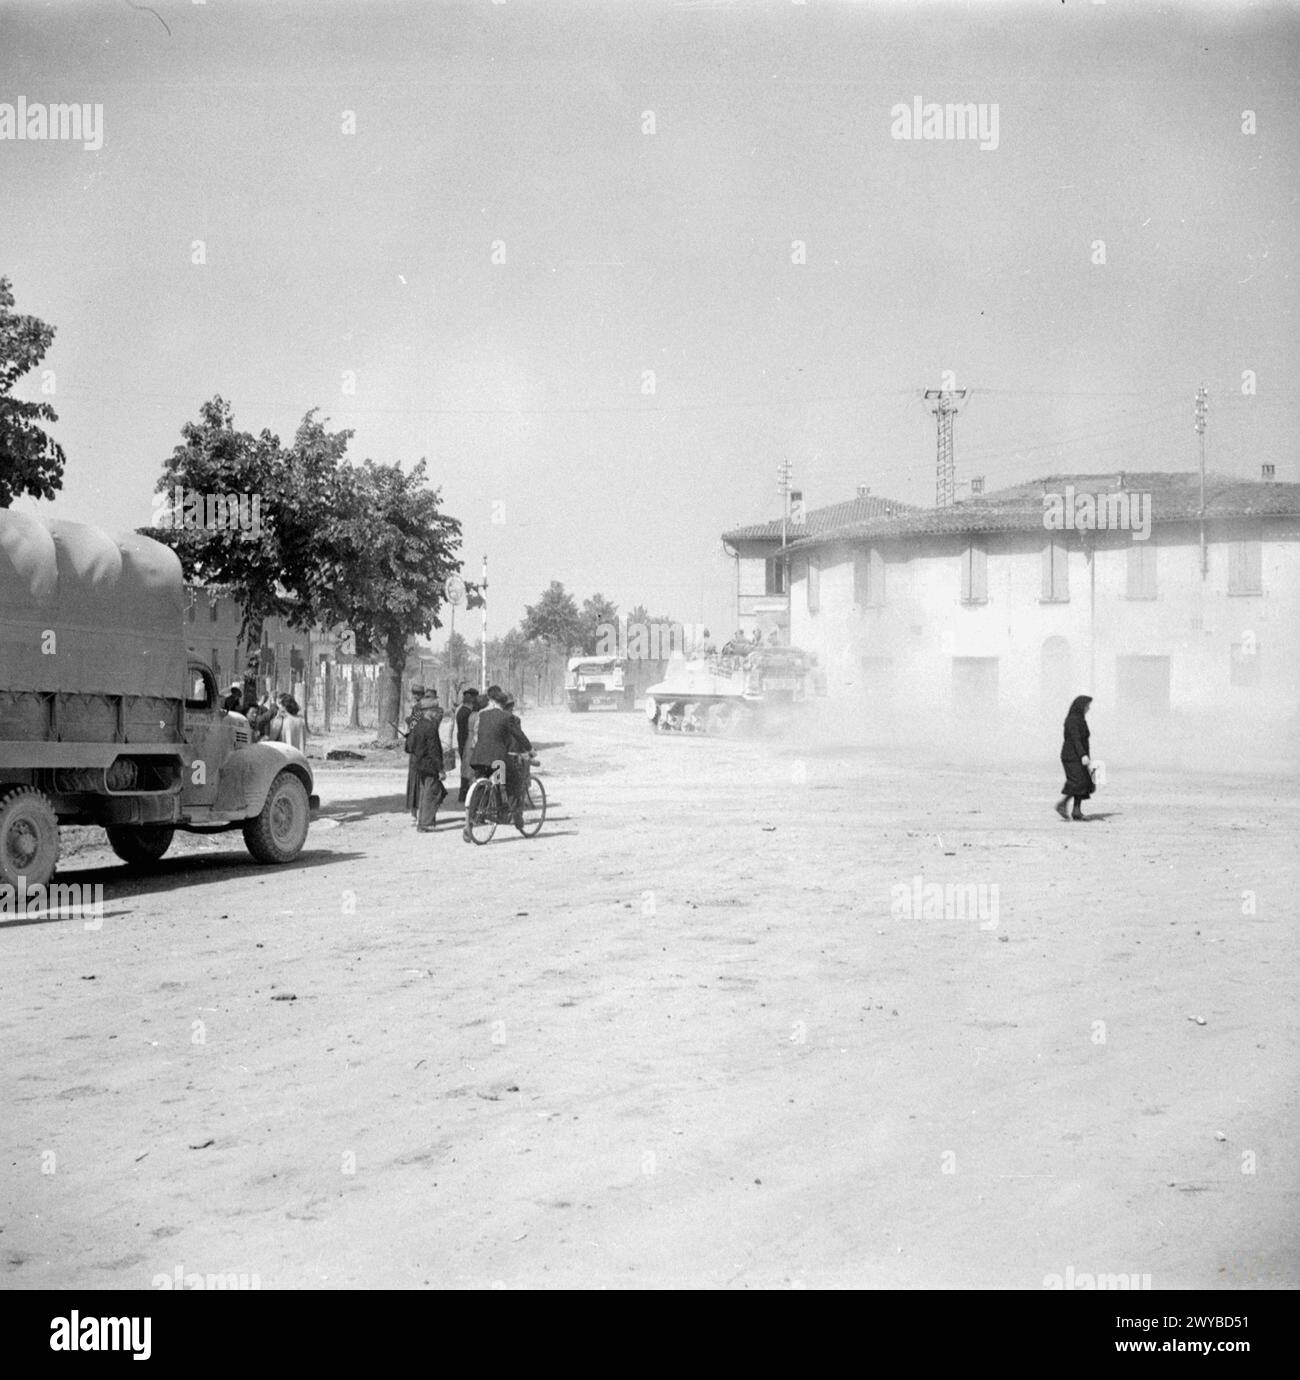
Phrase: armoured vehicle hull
(734, 691)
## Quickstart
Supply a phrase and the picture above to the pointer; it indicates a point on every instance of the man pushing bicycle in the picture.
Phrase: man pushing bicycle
(497, 735)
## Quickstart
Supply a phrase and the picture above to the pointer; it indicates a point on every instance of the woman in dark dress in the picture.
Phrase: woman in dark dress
(1075, 758)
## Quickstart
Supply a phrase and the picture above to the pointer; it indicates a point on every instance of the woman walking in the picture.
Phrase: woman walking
(1075, 758)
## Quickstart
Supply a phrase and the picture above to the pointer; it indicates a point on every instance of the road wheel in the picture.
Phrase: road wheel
(278, 832)
(140, 844)
(480, 811)
(29, 838)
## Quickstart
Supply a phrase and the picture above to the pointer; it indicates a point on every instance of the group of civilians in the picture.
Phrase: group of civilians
(277, 720)
(485, 729)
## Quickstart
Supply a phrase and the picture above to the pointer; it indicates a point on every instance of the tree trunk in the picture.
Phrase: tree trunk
(390, 711)
(253, 660)
(354, 691)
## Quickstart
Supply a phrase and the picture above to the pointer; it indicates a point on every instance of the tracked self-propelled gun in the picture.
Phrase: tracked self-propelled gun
(740, 689)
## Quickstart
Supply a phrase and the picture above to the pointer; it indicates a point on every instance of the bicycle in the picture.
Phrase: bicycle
(489, 805)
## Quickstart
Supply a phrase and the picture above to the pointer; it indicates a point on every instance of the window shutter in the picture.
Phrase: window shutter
(1254, 563)
(979, 572)
(1245, 567)
(861, 578)
(1060, 570)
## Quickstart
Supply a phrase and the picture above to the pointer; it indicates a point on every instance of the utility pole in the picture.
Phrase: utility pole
(784, 472)
(482, 670)
(1202, 409)
(945, 403)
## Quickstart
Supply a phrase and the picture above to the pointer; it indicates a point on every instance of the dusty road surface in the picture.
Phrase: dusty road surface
(697, 1033)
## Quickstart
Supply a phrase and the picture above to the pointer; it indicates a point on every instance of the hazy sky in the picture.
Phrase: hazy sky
(627, 251)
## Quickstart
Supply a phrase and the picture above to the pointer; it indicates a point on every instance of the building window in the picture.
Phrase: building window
(212, 610)
(869, 578)
(1245, 575)
(1141, 571)
(1244, 665)
(974, 575)
(1056, 572)
(814, 584)
(774, 575)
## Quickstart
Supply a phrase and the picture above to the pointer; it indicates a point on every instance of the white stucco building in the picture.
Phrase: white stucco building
(981, 607)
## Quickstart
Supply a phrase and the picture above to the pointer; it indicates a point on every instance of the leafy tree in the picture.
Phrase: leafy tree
(512, 656)
(553, 625)
(31, 462)
(456, 662)
(554, 619)
(397, 549)
(597, 611)
(261, 550)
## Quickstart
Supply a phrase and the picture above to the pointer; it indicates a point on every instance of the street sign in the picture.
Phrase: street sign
(454, 589)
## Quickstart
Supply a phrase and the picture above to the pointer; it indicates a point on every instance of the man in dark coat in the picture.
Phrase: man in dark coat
(1075, 758)
(468, 705)
(496, 735)
(426, 760)
(412, 778)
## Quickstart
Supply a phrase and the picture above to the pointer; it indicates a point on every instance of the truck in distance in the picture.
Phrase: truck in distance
(597, 682)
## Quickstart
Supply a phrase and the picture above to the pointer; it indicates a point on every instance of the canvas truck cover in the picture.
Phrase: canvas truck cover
(86, 613)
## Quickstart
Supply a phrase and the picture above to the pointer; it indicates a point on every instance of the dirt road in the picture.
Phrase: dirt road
(698, 1032)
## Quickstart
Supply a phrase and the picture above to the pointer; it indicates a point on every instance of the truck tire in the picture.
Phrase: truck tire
(277, 833)
(29, 837)
(140, 844)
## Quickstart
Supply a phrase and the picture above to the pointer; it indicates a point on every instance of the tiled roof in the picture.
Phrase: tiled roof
(1175, 497)
(819, 520)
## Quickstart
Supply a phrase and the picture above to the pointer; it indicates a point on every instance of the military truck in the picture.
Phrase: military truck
(106, 718)
(597, 682)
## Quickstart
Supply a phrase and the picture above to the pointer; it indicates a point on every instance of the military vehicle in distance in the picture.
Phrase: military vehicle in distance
(105, 717)
(740, 689)
(597, 682)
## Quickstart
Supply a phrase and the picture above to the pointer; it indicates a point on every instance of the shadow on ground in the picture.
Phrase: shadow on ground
(120, 883)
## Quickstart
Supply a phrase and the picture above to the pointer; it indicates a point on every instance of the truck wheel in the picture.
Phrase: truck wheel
(29, 838)
(278, 832)
(140, 844)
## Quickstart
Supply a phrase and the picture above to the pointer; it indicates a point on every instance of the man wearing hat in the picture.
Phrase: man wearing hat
(234, 697)
(425, 746)
(412, 777)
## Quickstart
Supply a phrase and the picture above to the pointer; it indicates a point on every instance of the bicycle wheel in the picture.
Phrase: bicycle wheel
(480, 812)
(533, 809)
